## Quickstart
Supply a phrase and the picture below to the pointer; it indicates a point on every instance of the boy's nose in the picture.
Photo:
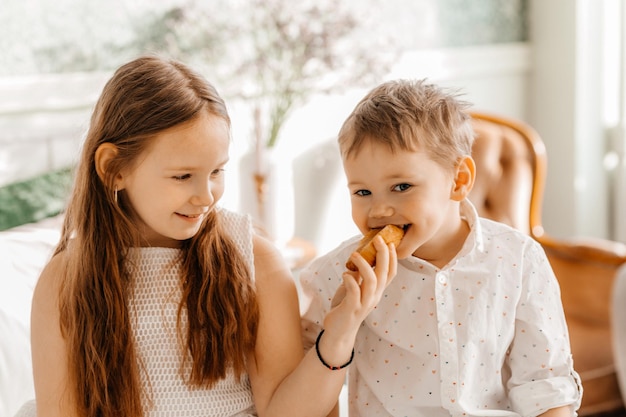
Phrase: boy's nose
(381, 209)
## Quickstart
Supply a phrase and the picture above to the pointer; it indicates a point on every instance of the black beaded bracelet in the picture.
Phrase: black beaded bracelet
(332, 368)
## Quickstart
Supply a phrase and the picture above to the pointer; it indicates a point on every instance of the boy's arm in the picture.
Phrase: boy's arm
(564, 411)
(541, 343)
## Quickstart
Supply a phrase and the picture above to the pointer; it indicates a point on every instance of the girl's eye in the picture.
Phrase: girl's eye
(182, 177)
(217, 172)
(402, 187)
(362, 193)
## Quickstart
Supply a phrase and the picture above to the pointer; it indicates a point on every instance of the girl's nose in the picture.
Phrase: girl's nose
(203, 195)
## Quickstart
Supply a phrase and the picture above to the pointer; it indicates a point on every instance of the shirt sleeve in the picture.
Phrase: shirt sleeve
(540, 359)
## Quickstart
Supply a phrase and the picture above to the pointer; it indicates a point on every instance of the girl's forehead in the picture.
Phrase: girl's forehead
(201, 138)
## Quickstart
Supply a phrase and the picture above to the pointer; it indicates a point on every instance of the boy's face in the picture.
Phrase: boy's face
(409, 189)
(178, 180)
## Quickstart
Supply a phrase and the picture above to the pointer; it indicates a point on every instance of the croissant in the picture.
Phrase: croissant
(389, 233)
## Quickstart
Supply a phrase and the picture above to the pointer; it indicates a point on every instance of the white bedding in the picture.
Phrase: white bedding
(24, 251)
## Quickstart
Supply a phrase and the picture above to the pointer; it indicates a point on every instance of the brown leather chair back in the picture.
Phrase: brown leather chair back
(510, 178)
(510, 172)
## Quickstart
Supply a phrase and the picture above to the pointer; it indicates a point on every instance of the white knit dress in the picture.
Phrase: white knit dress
(154, 312)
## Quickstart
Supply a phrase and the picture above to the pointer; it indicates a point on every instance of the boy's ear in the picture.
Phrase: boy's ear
(464, 176)
(105, 153)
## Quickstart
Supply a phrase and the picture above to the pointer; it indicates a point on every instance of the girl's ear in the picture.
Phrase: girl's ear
(464, 176)
(105, 153)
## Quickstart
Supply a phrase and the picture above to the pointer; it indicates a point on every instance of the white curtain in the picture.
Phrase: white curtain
(615, 103)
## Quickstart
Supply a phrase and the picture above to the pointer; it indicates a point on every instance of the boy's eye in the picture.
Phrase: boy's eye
(181, 177)
(362, 192)
(217, 172)
(402, 187)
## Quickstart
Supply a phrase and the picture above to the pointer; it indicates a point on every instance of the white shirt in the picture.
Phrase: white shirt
(483, 336)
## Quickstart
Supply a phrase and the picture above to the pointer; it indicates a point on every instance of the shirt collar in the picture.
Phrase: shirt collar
(475, 240)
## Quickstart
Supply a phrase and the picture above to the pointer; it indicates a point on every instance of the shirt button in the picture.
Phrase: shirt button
(442, 277)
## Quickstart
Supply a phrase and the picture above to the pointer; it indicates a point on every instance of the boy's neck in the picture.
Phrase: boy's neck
(447, 247)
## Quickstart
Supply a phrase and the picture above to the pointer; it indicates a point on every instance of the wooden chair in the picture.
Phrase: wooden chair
(511, 170)
(619, 326)
(586, 270)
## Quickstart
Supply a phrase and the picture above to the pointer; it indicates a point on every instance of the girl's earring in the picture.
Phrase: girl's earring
(115, 195)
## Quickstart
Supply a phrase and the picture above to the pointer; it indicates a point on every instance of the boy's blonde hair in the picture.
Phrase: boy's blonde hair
(410, 115)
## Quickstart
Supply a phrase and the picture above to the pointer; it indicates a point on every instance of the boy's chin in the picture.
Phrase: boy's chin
(403, 254)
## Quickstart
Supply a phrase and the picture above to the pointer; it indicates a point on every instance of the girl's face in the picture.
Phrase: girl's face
(408, 189)
(178, 180)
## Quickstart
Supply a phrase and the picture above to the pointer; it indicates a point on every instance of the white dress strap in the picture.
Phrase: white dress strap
(29, 409)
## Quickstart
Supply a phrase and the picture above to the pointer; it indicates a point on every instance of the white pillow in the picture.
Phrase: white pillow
(24, 250)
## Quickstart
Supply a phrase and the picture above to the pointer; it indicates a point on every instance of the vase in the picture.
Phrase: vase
(266, 193)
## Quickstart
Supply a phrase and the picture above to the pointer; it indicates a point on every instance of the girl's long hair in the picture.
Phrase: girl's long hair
(144, 97)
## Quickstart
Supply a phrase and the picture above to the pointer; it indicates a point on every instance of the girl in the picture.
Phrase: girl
(157, 302)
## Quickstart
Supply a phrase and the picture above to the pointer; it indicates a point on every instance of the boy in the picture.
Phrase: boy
(472, 324)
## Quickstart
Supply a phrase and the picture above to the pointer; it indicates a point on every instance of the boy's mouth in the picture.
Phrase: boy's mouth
(404, 227)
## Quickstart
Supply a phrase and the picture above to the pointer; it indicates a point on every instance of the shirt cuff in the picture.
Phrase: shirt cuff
(537, 397)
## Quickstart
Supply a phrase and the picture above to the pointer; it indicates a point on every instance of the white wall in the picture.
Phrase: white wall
(566, 107)
(42, 120)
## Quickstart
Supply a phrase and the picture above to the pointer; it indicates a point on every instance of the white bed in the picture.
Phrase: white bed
(25, 250)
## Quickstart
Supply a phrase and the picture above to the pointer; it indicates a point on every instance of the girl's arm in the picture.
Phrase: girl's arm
(49, 354)
(282, 377)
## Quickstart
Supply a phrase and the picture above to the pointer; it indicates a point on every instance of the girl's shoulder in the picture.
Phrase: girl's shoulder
(238, 226)
(49, 350)
(49, 281)
(225, 212)
(54, 270)
(45, 317)
(232, 218)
